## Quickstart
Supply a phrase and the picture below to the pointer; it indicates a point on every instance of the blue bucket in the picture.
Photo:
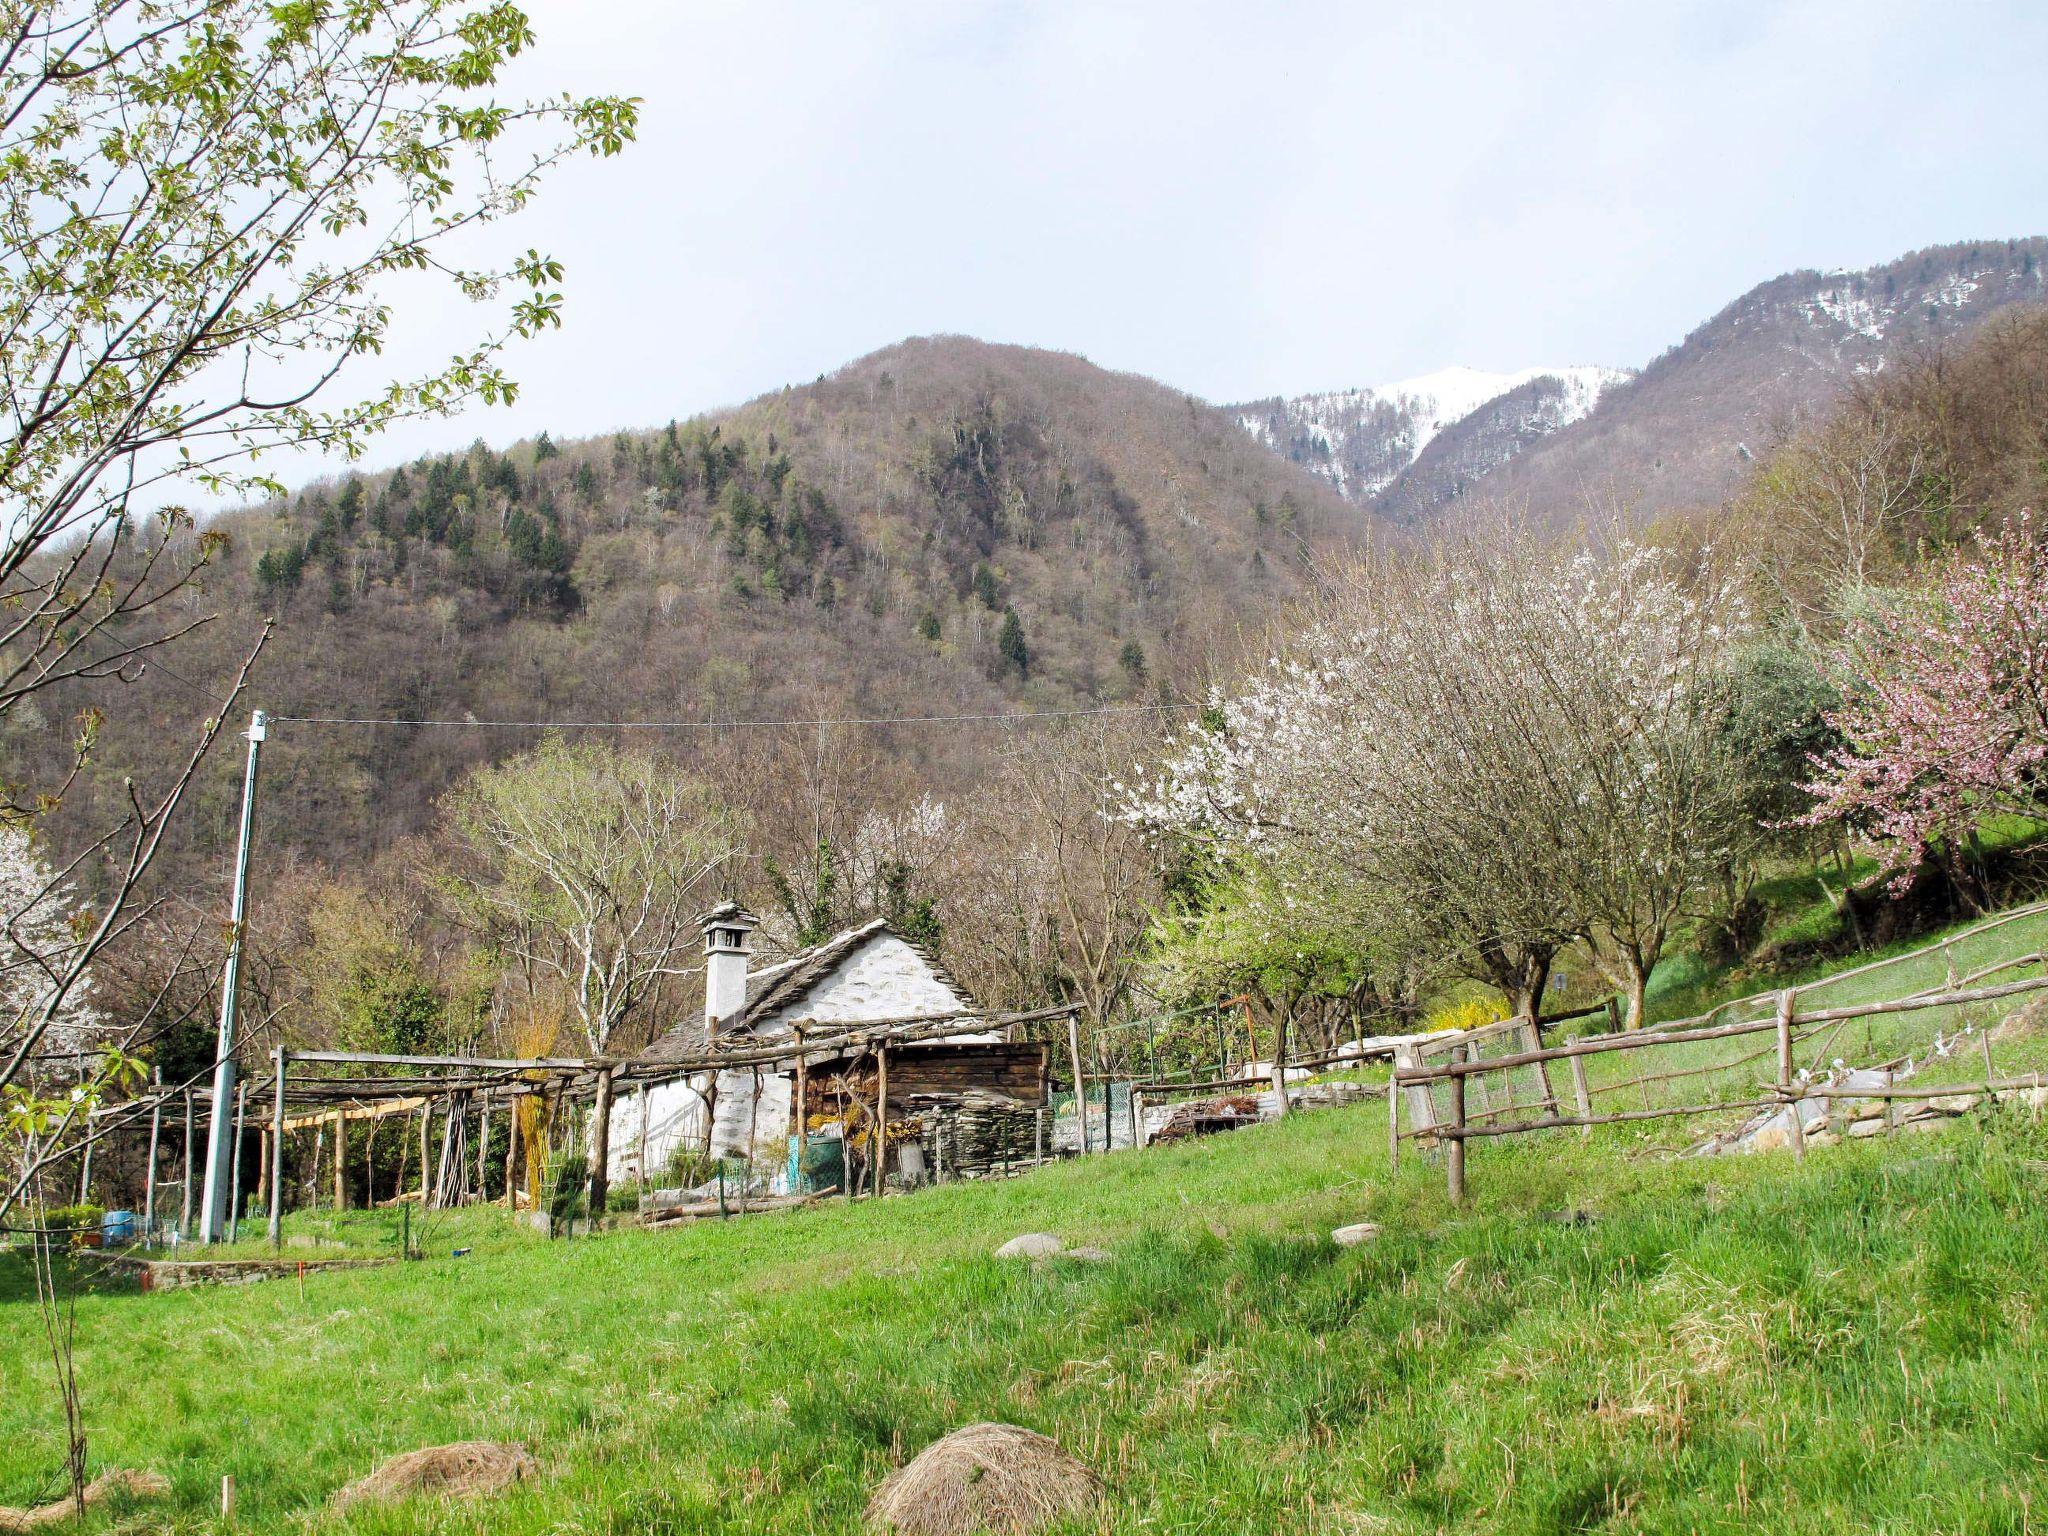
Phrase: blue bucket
(117, 1228)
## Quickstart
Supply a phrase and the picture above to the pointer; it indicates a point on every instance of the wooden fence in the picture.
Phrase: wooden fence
(1440, 1094)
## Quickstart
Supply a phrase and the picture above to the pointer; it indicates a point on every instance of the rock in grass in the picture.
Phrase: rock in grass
(465, 1470)
(986, 1477)
(1031, 1245)
(1358, 1232)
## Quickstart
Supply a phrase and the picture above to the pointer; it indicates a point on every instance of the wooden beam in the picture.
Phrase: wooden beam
(377, 1111)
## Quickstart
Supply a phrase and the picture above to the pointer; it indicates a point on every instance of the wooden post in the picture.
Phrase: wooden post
(512, 1140)
(235, 1174)
(1137, 1116)
(156, 1121)
(484, 1149)
(263, 1165)
(601, 1147)
(802, 1111)
(276, 1206)
(1581, 1096)
(340, 1161)
(313, 1184)
(1080, 1082)
(1891, 1107)
(426, 1115)
(881, 1113)
(1799, 1128)
(370, 1163)
(185, 1175)
(1614, 1015)
(640, 1148)
(1393, 1120)
(1785, 1009)
(1456, 1160)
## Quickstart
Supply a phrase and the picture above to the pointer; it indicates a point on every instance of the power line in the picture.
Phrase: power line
(723, 725)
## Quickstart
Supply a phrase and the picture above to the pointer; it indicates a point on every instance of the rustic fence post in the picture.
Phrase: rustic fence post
(235, 1174)
(881, 1116)
(1785, 1007)
(1799, 1127)
(185, 1173)
(340, 1160)
(1393, 1118)
(275, 1210)
(1580, 1096)
(1456, 1159)
(512, 1118)
(1080, 1084)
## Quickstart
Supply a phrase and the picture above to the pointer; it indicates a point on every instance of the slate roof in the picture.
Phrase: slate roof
(776, 987)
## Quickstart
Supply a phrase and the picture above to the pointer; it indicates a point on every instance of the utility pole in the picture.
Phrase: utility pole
(220, 1131)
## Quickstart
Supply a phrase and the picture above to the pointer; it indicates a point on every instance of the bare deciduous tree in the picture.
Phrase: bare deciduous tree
(586, 866)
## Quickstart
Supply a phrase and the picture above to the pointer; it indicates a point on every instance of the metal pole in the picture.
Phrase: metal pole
(156, 1126)
(85, 1161)
(220, 1126)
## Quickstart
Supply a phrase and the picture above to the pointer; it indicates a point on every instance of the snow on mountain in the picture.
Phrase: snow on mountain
(1363, 440)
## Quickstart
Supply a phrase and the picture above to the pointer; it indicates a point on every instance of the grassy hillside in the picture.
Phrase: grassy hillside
(1600, 1342)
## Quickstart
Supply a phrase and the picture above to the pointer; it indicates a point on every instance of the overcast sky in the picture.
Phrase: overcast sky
(1237, 199)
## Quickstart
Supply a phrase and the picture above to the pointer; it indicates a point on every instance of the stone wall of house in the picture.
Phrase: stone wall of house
(884, 979)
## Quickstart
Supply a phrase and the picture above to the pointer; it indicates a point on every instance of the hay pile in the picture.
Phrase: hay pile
(986, 1477)
(137, 1485)
(465, 1470)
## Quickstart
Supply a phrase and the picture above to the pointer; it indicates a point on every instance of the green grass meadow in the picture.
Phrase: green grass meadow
(1609, 1337)
(1603, 1340)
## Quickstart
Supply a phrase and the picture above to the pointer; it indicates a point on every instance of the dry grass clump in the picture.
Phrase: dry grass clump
(986, 1477)
(465, 1470)
(137, 1485)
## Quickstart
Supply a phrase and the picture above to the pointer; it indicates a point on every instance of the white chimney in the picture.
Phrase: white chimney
(728, 934)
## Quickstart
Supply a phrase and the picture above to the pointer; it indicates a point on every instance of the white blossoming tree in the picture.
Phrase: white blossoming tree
(1507, 750)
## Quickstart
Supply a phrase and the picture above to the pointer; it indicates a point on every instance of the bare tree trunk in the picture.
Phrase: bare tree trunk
(601, 1144)
(1638, 988)
(1530, 986)
(1281, 1018)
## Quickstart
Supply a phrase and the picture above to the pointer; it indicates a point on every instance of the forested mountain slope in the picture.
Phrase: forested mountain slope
(942, 527)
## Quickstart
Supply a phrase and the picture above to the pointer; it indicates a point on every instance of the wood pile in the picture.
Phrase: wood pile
(978, 1135)
(1204, 1117)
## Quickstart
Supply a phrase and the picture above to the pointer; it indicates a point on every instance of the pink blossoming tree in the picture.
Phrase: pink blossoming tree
(1946, 718)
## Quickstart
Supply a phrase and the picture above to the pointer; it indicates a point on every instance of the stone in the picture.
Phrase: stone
(2030, 1019)
(1358, 1232)
(1031, 1245)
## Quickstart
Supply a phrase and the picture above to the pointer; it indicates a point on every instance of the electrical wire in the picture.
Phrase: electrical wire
(723, 725)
